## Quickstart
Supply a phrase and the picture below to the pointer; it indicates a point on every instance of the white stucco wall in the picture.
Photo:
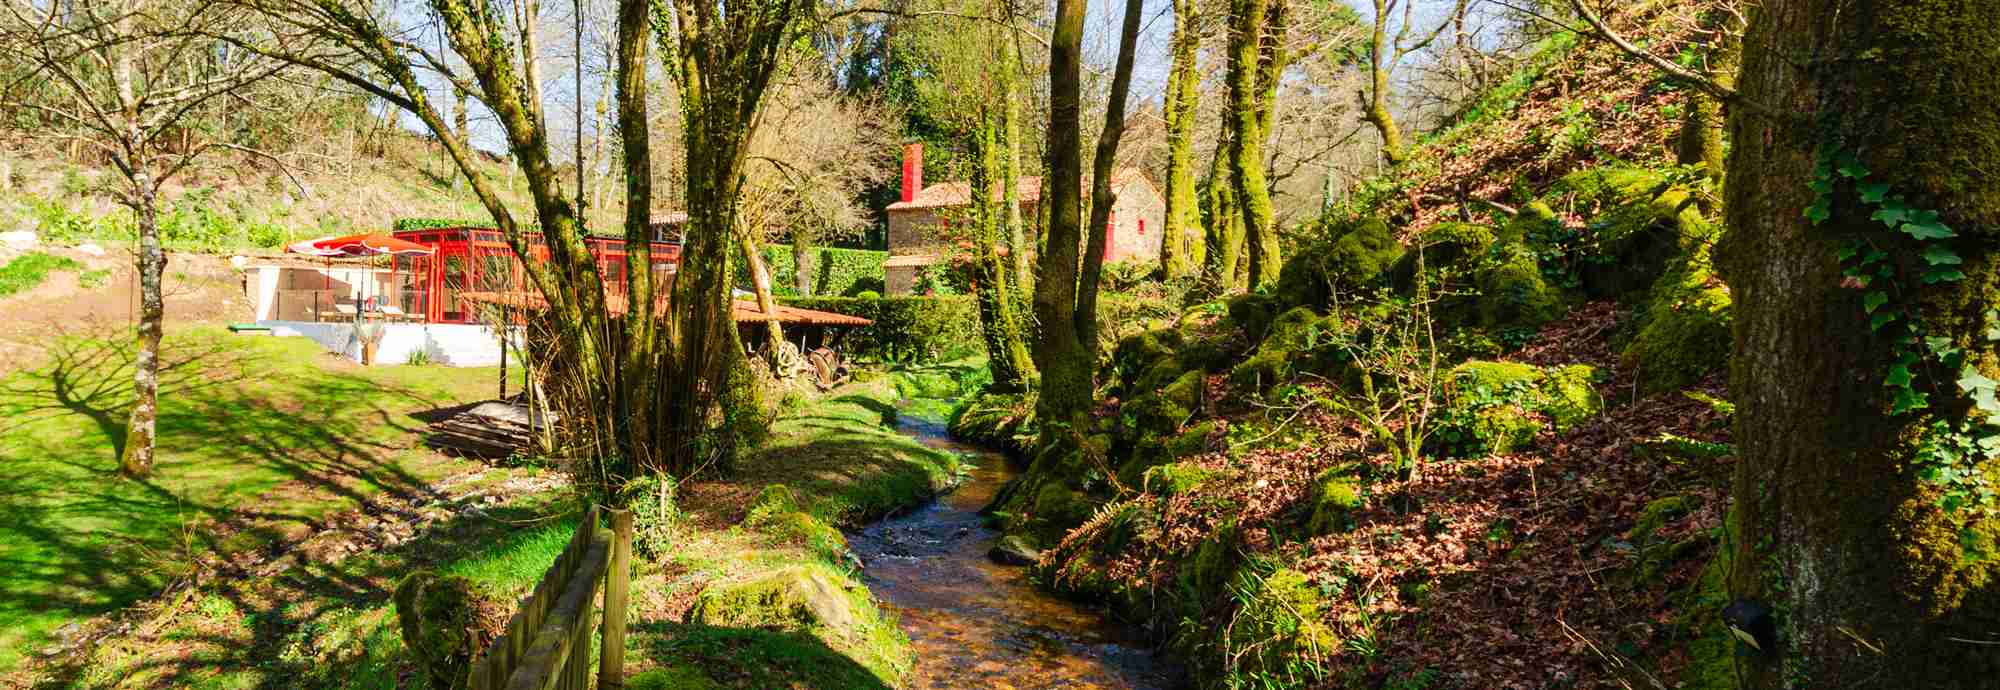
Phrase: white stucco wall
(457, 345)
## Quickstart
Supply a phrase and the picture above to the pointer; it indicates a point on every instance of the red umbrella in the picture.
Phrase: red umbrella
(368, 244)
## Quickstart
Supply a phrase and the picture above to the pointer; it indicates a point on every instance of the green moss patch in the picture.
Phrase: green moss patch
(1499, 407)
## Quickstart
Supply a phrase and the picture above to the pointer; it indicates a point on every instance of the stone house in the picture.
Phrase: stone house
(920, 222)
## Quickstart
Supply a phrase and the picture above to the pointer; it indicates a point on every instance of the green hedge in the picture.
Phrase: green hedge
(907, 329)
(407, 224)
(841, 272)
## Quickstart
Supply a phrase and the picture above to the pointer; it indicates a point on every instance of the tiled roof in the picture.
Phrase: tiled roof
(949, 194)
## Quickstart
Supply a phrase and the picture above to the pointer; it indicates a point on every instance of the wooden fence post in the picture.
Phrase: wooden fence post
(617, 588)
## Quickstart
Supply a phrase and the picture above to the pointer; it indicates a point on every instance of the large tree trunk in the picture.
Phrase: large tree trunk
(1255, 63)
(141, 431)
(1179, 256)
(640, 368)
(1224, 235)
(1836, 530)
(1060, 354)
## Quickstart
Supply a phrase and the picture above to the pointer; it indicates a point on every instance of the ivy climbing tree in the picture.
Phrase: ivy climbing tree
(1863, 547)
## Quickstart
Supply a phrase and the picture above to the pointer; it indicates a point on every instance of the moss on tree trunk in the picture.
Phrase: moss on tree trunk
(1872, 584)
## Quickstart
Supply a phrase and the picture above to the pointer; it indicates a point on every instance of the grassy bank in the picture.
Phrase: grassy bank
(742, 583)
(259, 439)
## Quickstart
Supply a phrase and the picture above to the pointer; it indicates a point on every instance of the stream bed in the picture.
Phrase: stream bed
(977, 624)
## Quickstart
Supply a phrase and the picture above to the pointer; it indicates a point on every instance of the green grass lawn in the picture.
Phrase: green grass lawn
(270, 431)
(26, 271)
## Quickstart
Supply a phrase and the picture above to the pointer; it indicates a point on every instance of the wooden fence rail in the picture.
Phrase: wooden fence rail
(546, 645)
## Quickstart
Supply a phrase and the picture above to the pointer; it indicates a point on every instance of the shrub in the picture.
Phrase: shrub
(835, 272)
(906, 329)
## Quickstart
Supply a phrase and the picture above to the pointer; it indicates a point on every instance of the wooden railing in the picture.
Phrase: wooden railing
(547, 643)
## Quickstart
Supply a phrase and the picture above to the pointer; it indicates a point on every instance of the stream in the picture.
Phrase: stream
(977, 624)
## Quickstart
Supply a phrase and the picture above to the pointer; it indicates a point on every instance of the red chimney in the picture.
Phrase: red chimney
(913, 171)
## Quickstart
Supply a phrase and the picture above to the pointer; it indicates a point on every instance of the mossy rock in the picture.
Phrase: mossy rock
(446, 623)
(1281, 619)
(1684, 332)
(771, 500)
(1570, 395)
(1334, 498)
(1446, 249)
(1193, 441)
(1513, 294)
(1643, 223)
(1534, 220)
(1175, 479)
(1355, 259)
(1297, 342)
(994, 420)
(1254, 314)
(800, 598)
(1148, 360)
(1655, 515)
(1162, 411)
(1209, 569)
(1506, 428)
(799, 528)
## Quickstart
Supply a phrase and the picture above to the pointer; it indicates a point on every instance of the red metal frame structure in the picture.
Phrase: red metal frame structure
(474, 259)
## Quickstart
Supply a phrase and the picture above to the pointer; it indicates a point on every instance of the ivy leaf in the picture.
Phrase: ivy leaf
(1821, 186)
(1970, 380)
(1940, 346)
(1851, 168)
(1848, 252)
(1880, 320)
(1943, 275)
(1923, 224)
(1891, 216)
(1874, 300)
(1819, 212)
(1908, 400)
(1874, 192)
(1939, 255)
(1899, 377)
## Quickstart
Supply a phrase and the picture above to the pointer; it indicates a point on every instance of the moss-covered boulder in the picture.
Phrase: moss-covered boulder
(1570, 395)
(1164, 410)
(1683, 333)
(1282, 619)
(1532, 223)
(1358, 256)
(1334, 497)
(1449, 253)
(1005, 421)
(1148, 360)
(797, 527)
(1512, 293)
(1254, 314)
(1640, 223)
(1299, 341)
(1175, 478)
(801, 598)
(446, 623)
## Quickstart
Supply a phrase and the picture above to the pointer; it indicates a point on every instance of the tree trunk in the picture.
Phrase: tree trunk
(1179, 256)
(531, 56)
(1225, 221)
(1873, 581)
(1255, 48)
(1019, 248)
(1102, 169)
(1060, 354)
(639, 370)
(460, 124)
(1703, 121)
(1375, 107)
(760, 285)
(1008, 358)
(141, 432)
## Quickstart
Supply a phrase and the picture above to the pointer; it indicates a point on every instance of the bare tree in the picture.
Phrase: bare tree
(1391, 41)
(126, 77)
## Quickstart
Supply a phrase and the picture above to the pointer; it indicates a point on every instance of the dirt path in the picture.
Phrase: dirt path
(199, 289)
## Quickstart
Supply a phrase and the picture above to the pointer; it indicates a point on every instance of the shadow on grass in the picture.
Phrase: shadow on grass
(315, 625)
(748, 658)
(250, 449)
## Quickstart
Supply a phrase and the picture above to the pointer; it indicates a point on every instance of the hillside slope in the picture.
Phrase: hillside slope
(1460, 445)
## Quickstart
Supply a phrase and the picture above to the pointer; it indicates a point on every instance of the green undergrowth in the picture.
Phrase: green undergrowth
(24, 272)
(777, 601)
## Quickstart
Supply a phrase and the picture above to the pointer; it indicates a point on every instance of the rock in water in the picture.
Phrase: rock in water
(1014, 550)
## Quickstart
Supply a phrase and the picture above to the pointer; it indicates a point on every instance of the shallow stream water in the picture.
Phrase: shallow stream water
(977, 624)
